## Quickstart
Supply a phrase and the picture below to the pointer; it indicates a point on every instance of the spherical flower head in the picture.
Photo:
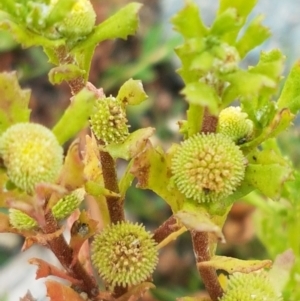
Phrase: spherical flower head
(109, 122)
(68, 204)
(250, 287)
(21, 220)
(31, 154)
(124, 254)
(79, 22)
(208, 168)
(235, 124)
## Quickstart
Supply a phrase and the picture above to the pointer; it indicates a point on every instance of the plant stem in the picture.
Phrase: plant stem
(209, 124)
(115, 205)
(64, 253)
(201, 244)
(167, 228)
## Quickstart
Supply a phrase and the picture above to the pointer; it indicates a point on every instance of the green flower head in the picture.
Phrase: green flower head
(67, 205)
(250, 287)
(124, 254)
(21, 220)
(31, 154)
(109, 122)
(235, 124)
(208, 168)
(79, 22)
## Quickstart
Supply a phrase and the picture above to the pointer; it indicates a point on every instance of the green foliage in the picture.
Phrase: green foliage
(198, 179)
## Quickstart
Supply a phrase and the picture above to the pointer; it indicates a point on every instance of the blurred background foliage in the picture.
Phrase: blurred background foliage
(149, 56)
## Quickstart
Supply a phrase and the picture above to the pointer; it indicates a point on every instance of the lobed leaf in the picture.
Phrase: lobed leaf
(120, 25)
(254, 35)
(232, 265)
(76, 116)
(188, 22)
(290, 95)
(14, 101)
(152, 170)
(59, 292)
(66, 72)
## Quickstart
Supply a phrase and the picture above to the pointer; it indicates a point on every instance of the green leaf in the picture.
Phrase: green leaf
(243, 7)
(197, 219)
(14, 101)
(132, 92)
(65, 72)
(271, 64)
(28, 38)
(152, 170)
(76, 116)
(225, 22)
(188, 22)
(280, 122)
(199, 93)
(232, 265)
(120, 25)
(59, 11)
(268, 172)
(133, 145)
(254, 35)
(290, 95)
(245, 84)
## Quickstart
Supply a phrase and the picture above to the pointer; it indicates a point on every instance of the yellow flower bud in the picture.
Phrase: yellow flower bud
(235, 124)
(21, 220)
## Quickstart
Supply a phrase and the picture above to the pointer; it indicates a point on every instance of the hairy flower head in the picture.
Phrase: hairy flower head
(235, 124)
(31, 154)
(109, 122)
(20, 220)
(79, 22)
(66, 205)
(250, 287)
(208, 167)
(124, 254)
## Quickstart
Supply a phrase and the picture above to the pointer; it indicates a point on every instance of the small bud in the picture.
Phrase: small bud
(79, 22)
(208, 168)
(31, 154)
(21, 220)
(249, 287)
(67, 205)
(124, 254)
(234, 124)
(109, 122)
(227, 59)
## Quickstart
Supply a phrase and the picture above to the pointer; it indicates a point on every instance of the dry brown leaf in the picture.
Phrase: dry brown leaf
(59, 292)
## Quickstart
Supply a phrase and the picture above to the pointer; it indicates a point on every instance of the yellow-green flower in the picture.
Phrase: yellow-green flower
(65, 206)
(254, 286)
(235, 124)
(124, 254)
(79, 22)
(20, 220)
(31, 154)
(109, 122)
(208, 168)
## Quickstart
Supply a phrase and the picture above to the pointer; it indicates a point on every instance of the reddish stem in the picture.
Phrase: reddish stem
(201, 243)
(64, 253)
(167, 228)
